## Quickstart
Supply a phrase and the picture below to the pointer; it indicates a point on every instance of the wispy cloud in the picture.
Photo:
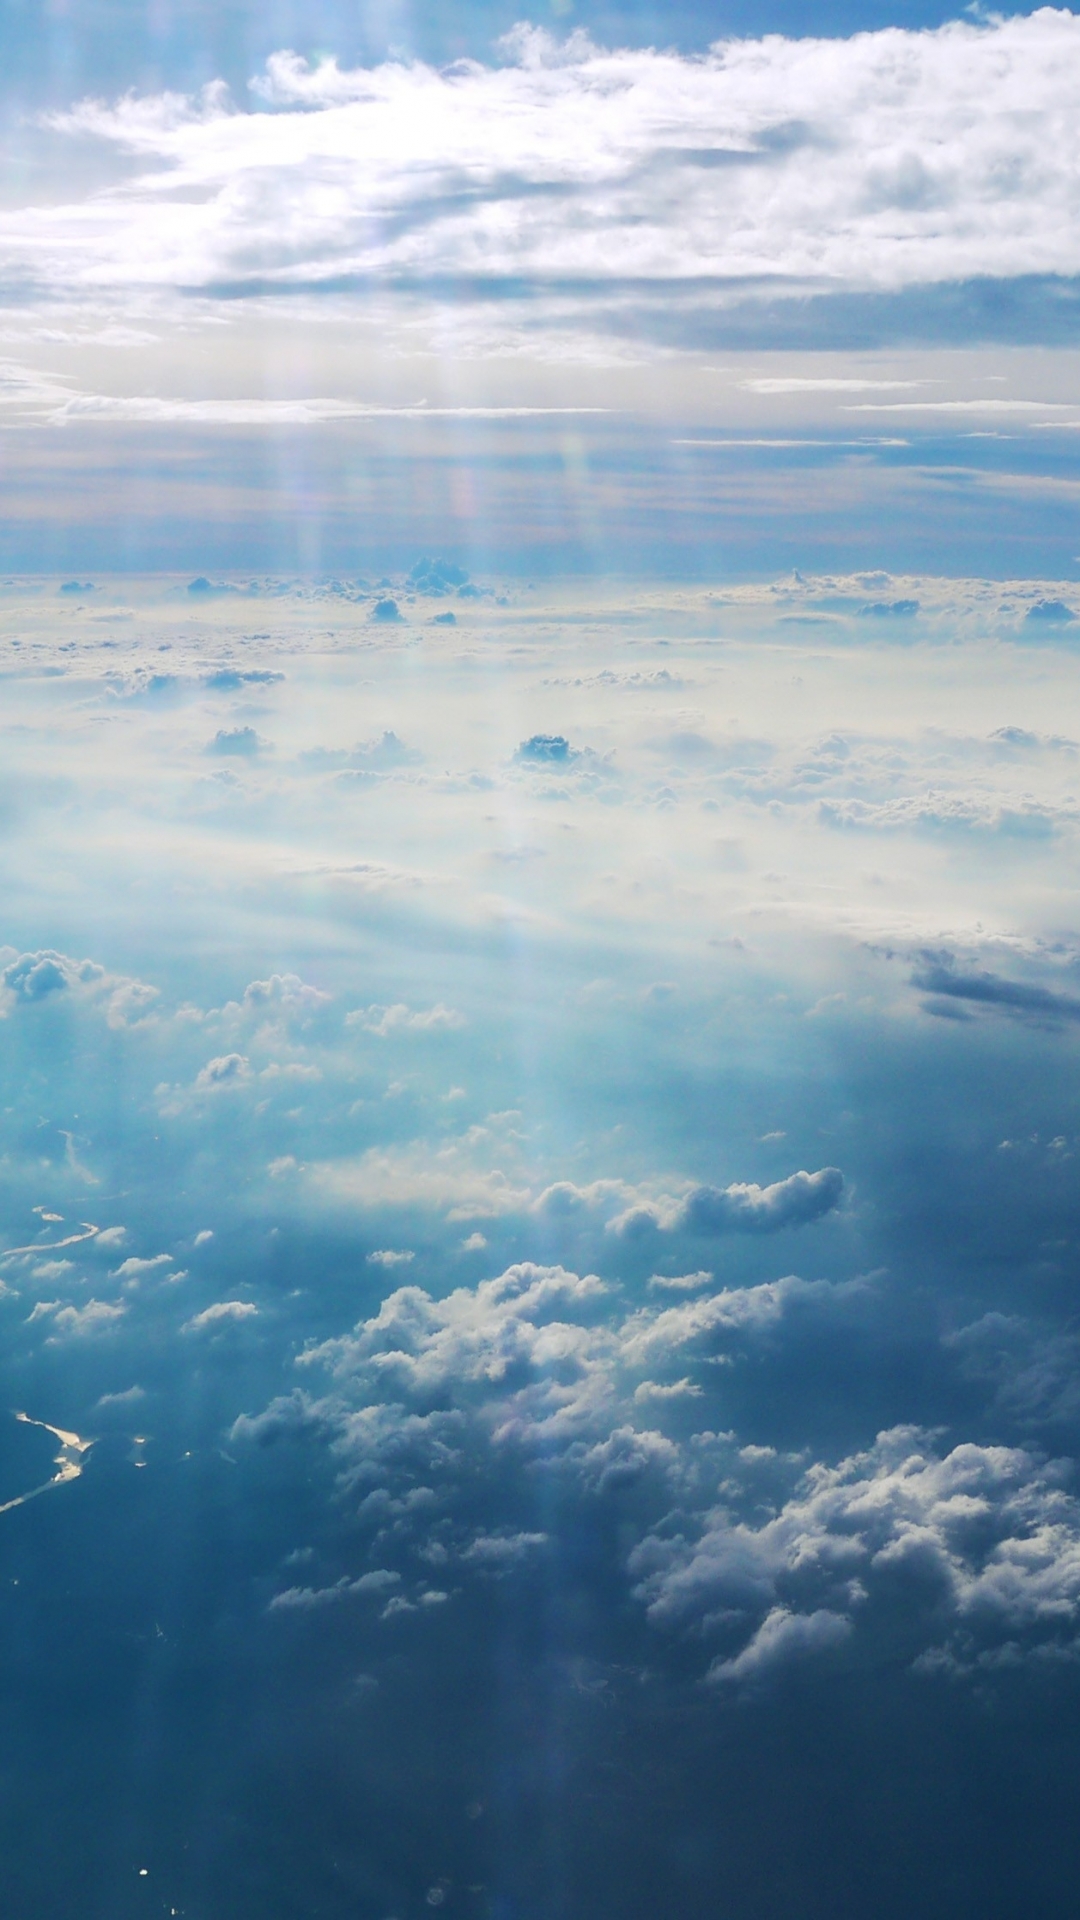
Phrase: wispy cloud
(886, 160)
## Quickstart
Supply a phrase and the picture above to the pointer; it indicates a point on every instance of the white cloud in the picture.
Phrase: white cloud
(390, 1257)
(973, 1549)
(681, 1282)
(888, 159)
(403, 1019)
(219, 1314)
(129, 1397)
(305, 1599)
(450, 1176)
(94, 1317)
(984, 1538)
(739, 1208)
(133, 1268)
(783, 1637)
(684, 1389)
(226, 1071)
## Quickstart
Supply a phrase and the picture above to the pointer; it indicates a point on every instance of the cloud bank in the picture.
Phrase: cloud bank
(888, 160)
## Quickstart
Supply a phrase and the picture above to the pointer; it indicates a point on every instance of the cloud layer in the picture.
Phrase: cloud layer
(883, 161)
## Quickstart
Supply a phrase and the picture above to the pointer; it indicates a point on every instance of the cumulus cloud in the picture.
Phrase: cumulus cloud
(35, 976)
(982, 1543)
(94, 1317)
(740, 1208)
(221, 1313)
(939, 811)
(134, 1268)
(762, 1558)
(284, 991)
(782, 1637)
(237, 741)
(226, 1071)
(304, 1599)
(127, 1397)
(41, 977)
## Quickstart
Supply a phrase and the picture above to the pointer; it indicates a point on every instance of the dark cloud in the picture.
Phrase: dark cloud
(942, 977)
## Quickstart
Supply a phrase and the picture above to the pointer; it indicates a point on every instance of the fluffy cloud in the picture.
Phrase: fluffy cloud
(741, 1208)
(983, 1544)
(227, 1070)
(134, 1268)
(36, 977)
(782, 1637)
(94, 1317)
(954, 1555)
(220, 1314)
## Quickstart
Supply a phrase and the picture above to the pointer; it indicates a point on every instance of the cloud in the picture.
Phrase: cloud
(242, 741)
(765, 1558)
(681, 1282)
(781, 1638)
(449, 1176)
(37, 976)
(402, 1019)
(499, 1552)
(684, 1389)
(222, 1312)
(982, 1543)
(651, 1333)
(939, 975)
(741, 1208)
(937, 811)
(478, 1338)
(94, 1317)
(306, 1599)
(890, 160)
(284, 991)
(227, 1070)
(390, 1257)
(129, 1397)
(133, 1268)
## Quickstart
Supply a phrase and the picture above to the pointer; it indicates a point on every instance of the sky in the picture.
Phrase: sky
(539, 963)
